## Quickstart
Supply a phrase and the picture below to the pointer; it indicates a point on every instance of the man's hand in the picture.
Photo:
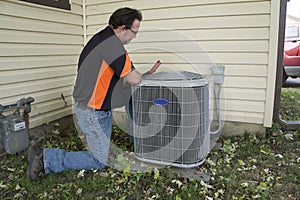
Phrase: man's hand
(125, 84)
(133, 78)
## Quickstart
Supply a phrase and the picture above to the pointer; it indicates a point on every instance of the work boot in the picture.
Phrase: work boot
(34, 150)
(35, 170)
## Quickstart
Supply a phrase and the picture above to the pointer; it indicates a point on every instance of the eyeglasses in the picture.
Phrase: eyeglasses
(133, 31)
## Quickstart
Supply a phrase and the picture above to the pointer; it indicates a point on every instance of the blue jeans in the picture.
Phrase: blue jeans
(97, 128)
(129, 112)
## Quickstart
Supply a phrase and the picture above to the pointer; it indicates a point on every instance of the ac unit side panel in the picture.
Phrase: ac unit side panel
(171, 124)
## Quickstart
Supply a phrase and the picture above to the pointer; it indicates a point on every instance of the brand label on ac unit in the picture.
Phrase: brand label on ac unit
(19, 126)
(161, 102)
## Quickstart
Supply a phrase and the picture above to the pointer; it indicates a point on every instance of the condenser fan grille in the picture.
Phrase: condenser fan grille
(171, 124)
(173, 76)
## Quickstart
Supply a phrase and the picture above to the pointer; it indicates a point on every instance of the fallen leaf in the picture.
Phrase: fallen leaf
(80, 174)
(79, 191)
(17, 187)
(245, 184)
(289, 136)
(11, 169)
(156, 174)
(2, 185)
(241, 162)
(56, 132)
(177, 182)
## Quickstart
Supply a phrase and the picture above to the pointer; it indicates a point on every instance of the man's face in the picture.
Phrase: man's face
(128, 34)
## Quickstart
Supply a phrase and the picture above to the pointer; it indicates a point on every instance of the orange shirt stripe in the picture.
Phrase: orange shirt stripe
(103, 81)
(127, 66)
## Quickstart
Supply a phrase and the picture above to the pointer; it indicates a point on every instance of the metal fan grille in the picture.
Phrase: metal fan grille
(171, 76)
(175, 132)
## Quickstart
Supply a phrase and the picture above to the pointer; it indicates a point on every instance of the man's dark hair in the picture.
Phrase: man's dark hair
(124, 16)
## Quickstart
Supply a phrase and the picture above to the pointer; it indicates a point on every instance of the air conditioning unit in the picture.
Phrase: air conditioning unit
(171, 119)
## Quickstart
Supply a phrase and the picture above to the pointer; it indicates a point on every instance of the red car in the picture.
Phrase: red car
(291, 60)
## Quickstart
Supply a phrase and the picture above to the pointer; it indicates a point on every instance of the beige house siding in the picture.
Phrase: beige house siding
(236, 34)
(272, 64)
(39, 48)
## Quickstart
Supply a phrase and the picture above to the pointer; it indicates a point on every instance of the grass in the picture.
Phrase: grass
(246, 167)
(290, 104)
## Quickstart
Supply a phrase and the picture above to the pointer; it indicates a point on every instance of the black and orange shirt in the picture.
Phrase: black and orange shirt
(102, 62)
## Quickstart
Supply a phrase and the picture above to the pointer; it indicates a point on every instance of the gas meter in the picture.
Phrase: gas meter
(14, 127)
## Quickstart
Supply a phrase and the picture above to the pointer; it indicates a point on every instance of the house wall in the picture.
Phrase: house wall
(39, 48)
(194, 35)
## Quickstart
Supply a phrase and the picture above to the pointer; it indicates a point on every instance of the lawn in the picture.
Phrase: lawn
(245, 167)
(290, 104)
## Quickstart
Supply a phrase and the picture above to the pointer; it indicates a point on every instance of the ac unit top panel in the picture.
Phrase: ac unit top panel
(174, 79)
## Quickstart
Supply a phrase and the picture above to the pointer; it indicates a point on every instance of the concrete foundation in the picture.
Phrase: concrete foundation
(229, 128)
(120, 119)
(40, 132)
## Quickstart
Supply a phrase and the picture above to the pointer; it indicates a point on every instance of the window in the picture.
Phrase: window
(292, 31)
(63, 4)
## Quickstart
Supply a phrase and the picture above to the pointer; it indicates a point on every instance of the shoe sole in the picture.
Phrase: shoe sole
(34, 176)
(34, 153)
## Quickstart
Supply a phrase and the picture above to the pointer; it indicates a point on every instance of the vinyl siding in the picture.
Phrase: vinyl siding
(185, 34)
(39, 48)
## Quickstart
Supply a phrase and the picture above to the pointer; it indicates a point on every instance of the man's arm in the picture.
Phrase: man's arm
(133, 77)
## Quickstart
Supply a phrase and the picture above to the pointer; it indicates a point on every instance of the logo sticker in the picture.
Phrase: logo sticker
(161, 102)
